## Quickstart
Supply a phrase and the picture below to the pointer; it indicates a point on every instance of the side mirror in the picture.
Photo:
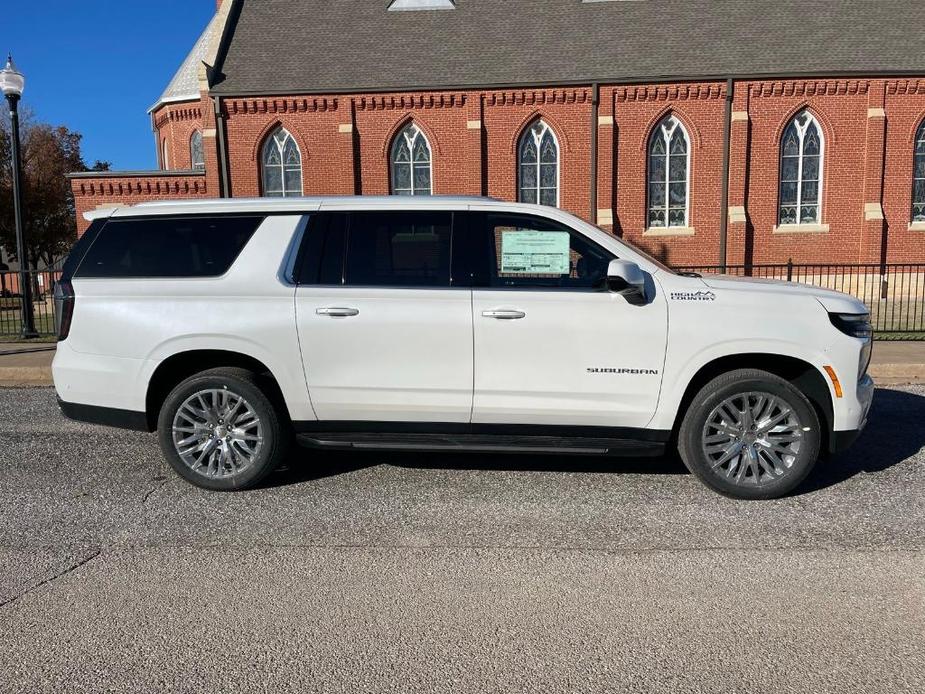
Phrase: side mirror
(627, 278)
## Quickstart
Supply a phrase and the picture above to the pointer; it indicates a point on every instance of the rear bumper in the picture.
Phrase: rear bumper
(106, 416)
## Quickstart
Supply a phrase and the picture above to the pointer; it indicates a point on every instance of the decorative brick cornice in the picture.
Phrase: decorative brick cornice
(671, 92)
(131, 185)
(538, 97)
(805, 88)
(234, 107)
(403, 102)
(178, 114)
(905, 87)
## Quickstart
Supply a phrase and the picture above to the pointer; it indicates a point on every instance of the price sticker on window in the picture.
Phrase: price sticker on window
(526, 252)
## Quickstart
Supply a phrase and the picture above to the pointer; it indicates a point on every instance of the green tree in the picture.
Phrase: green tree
(49, 153)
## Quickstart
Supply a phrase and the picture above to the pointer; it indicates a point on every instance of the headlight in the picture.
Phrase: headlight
(853, 324)
(857, 325)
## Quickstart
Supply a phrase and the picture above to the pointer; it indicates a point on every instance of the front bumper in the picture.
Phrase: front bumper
(842, 440)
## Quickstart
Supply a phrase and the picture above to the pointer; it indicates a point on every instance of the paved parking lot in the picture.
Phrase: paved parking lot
(375, 572)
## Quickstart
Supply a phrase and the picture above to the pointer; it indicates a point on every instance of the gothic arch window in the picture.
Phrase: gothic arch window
(281, 165)
(165, 160)
(669, 174)
(196, 154)
(538, 165)
(918, 177)
(802, 148)
(411, 162)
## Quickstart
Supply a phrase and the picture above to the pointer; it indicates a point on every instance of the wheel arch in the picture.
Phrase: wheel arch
(180, 366)
(808, 379)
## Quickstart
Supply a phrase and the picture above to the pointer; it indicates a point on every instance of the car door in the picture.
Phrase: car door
(385, 335)
(552, 345)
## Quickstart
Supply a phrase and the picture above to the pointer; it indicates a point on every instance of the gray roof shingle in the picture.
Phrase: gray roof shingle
(316, 46)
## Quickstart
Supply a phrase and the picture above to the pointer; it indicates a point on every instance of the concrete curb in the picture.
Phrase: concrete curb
(12, 376)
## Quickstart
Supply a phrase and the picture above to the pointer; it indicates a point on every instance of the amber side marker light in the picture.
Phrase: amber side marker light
(831, 372)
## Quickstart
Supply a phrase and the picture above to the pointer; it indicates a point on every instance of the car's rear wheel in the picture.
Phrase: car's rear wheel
(750, 434)
(219, 430)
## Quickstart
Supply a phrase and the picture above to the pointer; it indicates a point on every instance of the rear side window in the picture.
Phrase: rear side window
(399, 249)
(167, 247)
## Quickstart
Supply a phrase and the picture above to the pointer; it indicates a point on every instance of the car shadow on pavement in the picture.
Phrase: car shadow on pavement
(894, 433)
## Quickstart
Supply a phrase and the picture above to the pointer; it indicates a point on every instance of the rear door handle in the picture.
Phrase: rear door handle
(504, 314)
(337, 312)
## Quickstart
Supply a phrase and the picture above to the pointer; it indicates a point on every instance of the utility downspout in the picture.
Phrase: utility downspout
(224, 184)
(595, 109)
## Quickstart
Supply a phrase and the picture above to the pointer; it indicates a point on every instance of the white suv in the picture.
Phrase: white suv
(444, 324)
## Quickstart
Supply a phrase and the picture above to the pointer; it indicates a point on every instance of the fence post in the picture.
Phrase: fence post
(789, 269)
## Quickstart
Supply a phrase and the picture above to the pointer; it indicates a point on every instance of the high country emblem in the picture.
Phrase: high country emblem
(693, 296)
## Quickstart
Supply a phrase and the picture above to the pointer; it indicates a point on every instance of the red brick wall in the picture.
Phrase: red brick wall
(175, 125)
(345, 142)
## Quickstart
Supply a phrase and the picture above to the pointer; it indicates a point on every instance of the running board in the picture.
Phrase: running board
(484, 443)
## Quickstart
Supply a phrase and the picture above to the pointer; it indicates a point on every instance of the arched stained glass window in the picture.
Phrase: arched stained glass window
(669, 174)
(281, 165)
(197, 155)
(538, 166)
(801, 161)
(918, 177)
(411, 162)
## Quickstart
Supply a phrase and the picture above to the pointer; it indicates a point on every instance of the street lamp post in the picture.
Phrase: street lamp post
(12, 83)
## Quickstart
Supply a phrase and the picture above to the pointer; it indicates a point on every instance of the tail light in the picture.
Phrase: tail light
(64, 308)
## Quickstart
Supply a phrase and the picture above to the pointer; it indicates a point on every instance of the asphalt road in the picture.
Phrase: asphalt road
(377, 573)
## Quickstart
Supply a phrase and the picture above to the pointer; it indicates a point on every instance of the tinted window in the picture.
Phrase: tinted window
(168, 247)
(404, 249)
(322, 259)
(536, 252)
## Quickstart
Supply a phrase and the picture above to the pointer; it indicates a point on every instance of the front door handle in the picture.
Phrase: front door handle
(337, 312)
(504, 314)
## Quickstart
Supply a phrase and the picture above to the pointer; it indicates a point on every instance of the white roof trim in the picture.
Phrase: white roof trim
(185, 83)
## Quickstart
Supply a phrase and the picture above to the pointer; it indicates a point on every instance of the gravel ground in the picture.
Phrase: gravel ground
(386, 572)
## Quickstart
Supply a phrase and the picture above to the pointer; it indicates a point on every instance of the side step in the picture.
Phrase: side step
(487, 443)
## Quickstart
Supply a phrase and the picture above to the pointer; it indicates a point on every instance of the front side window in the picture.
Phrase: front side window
(801, 161)
(535, 252)
(538, 166)
(669, 174)
(197, 155)
(168, 247)
(281, 165)
(918, 177)
(411, 163)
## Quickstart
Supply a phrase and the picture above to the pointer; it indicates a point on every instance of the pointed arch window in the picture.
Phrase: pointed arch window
(918, 177)
(411, 162)
(802, 149)
(669, 174)
(165, 160)
(196, 154)
(538, 166)
(281, 165)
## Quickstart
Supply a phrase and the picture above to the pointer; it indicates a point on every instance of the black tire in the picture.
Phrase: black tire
(781, 479)
(273, 429)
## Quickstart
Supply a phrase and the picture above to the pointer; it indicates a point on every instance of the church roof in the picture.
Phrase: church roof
(318, 46)
(185, 83)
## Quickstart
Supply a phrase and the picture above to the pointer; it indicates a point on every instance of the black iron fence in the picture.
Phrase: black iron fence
(43, 284)
(895, 293)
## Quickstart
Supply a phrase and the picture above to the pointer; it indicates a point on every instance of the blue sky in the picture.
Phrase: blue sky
(96, 67)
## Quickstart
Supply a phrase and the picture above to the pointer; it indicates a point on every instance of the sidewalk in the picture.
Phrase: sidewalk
(894, 363)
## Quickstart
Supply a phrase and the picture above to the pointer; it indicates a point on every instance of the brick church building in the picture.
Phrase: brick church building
(762, 130)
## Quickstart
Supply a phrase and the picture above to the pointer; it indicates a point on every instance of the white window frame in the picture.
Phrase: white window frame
(537, 141)
(918, 140)
(271, 140)
(410, 133)
(665, 132)
(165, 159)
(801, 133)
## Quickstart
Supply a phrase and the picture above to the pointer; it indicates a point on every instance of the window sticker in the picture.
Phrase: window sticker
(535, 252)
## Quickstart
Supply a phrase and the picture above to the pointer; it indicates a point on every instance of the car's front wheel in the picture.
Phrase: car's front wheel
(219, 430)
(750, 434)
